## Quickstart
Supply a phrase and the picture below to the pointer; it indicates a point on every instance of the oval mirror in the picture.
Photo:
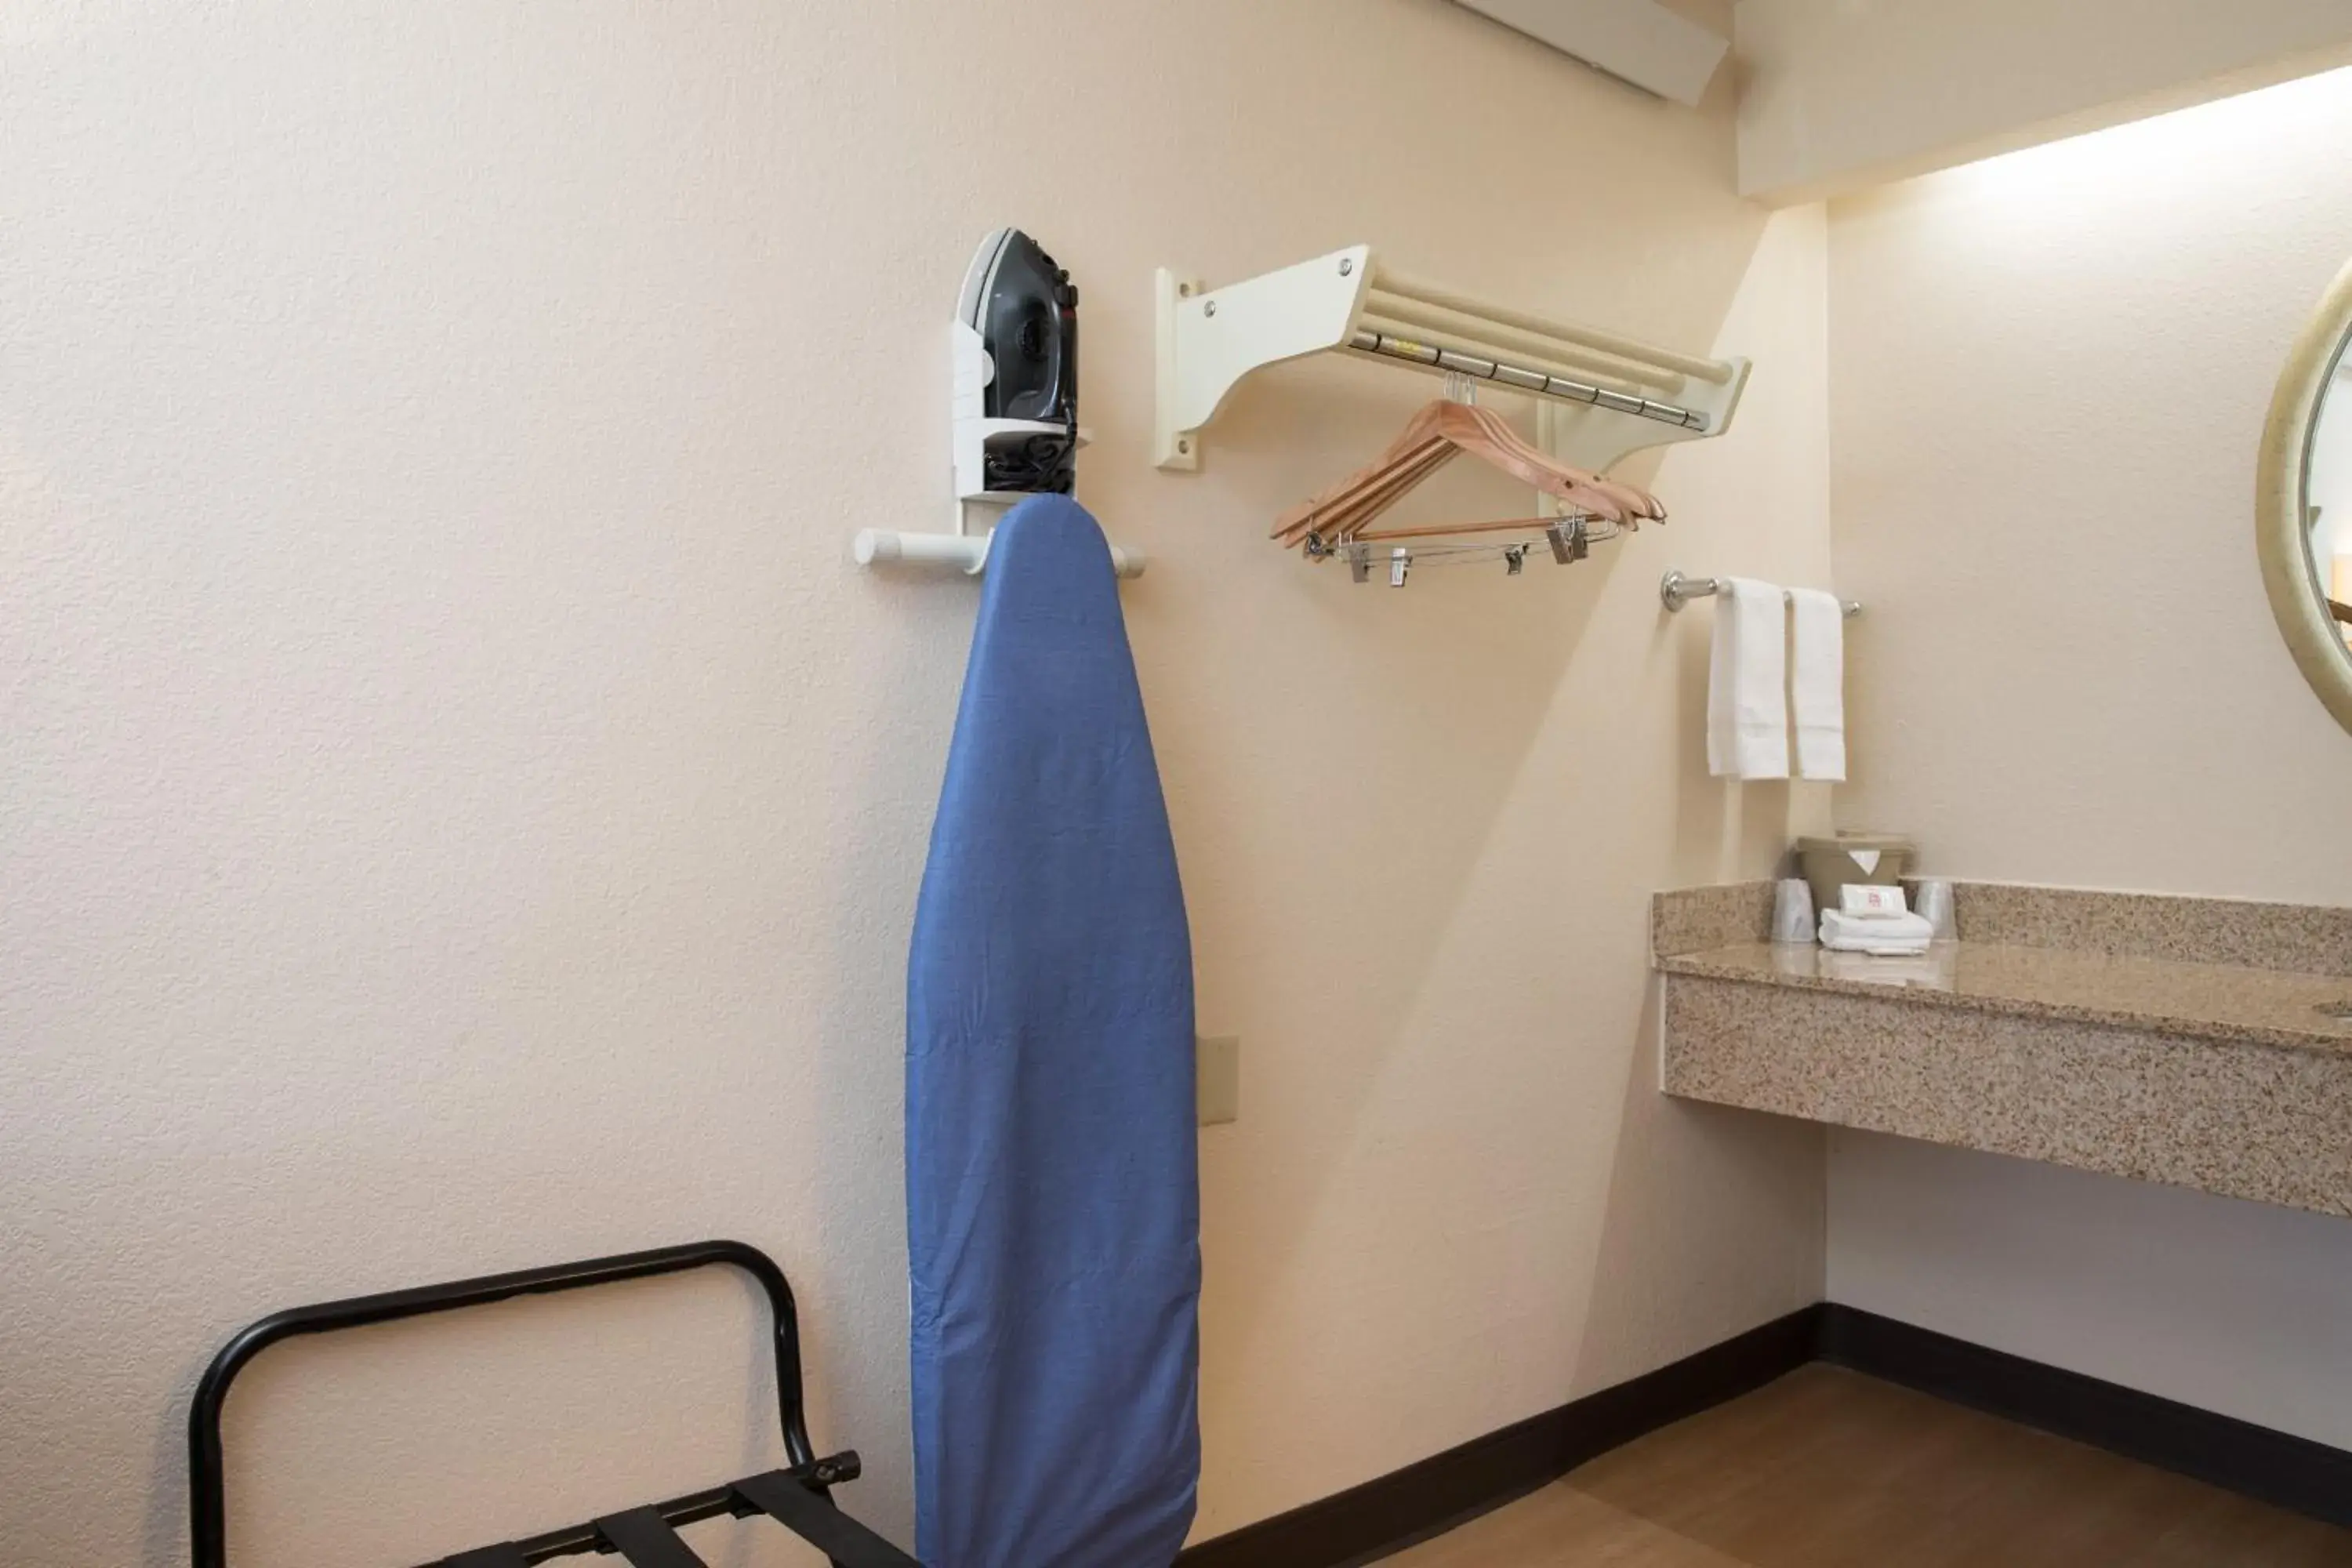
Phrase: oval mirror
(2304, 509)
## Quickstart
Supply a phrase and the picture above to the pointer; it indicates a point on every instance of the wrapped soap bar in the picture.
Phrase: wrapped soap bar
(1872, 900)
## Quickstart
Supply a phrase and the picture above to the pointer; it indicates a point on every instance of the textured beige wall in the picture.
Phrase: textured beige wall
(2050, 374)
(1844, 94)
(2238, 1307)
(1456, 1198)
(463, 810)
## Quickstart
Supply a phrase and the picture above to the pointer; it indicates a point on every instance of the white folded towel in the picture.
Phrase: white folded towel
(1930, 971)
(1889, 935)
(1747, 697)
(1817, 682)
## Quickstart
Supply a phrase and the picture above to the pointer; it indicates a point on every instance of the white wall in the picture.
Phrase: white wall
(2236, 1307)
(2049, 378)
(1844, 94)
(464, 811)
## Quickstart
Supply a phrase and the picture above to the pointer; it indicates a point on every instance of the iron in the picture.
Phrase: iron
(1026, 310)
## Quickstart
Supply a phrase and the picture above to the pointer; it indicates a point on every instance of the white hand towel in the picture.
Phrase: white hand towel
(1817, 682)
(1747, 696)
(1930, 971)
(1876, 933)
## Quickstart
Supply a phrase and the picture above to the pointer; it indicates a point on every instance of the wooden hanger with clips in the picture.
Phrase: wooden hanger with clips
(1441, 431)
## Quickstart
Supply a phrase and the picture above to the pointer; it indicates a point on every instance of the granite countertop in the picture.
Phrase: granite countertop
(2224, 1002)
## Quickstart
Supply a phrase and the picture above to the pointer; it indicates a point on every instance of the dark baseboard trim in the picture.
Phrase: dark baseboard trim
(2290, 1472)
(1366, 1523)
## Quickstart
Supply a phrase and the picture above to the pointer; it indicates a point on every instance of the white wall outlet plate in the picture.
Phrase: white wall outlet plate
(1217, 1078)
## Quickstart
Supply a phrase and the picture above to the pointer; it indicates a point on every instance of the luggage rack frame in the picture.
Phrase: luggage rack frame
(798, 1496)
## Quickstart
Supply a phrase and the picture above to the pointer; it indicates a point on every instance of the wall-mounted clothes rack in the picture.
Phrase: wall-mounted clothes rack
(1675, 590)
(1599, 396)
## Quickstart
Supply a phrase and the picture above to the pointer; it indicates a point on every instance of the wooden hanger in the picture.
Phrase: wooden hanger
(1441, 530)
(1358, 504)
(1639, 505)
(1509, 451)
(1418, 451)
(1440, 432)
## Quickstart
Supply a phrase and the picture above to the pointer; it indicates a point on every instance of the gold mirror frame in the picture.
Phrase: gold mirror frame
(2281, 534)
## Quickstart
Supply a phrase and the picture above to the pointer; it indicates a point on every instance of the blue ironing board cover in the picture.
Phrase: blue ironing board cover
(1053, 1197)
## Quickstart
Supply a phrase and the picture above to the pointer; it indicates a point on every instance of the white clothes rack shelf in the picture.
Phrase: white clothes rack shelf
(1599, 396)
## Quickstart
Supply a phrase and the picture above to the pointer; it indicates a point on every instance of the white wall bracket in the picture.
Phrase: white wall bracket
(1600, 397)
(1208, 341)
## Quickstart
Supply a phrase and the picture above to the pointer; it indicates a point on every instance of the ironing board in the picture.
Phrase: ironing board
(800, 1497)
(1052, 1194)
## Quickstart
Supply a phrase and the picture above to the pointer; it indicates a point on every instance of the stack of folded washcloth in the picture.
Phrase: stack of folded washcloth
(1874, 920)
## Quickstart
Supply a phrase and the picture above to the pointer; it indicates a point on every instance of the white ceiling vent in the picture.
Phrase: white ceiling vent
(1644, 43)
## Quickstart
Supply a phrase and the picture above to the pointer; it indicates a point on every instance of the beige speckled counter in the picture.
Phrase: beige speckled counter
(2133, 1053)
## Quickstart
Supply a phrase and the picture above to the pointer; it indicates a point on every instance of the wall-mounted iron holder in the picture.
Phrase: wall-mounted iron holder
(798, 1497)
(1012, 425)
(1599, 396)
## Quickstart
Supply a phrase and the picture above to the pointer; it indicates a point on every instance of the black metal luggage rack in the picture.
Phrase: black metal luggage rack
(800, 1497)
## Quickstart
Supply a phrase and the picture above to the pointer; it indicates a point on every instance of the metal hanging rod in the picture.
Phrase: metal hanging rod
(1387, 282)
(1675, 590)
(1524, 379)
